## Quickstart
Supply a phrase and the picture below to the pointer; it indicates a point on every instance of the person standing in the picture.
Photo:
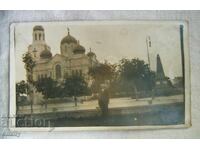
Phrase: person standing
(104, 101)
(75, 100)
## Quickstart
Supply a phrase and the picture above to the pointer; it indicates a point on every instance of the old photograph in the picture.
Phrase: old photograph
(99, 74)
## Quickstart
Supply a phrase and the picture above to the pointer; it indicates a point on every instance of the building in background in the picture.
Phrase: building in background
(71, 60)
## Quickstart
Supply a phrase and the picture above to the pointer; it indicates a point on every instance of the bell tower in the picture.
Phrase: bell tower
(38, 42)
(38, 34)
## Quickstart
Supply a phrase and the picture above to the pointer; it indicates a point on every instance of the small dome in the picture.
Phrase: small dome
(90, 54)
(79, 49)
(45, 54)
(40, 28)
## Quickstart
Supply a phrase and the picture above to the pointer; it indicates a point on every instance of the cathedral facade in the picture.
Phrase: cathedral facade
(72, 59)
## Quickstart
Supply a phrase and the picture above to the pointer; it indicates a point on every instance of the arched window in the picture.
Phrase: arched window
(43, 37)
(58, 71)
(76, 72)
(35, 36)
(72, 72)
(39, 36)
(66, 74)
(80, 71)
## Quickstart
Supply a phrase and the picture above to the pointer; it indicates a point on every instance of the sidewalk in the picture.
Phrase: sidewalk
(92, 105)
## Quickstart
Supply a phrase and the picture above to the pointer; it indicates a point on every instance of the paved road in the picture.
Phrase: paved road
(91, 105)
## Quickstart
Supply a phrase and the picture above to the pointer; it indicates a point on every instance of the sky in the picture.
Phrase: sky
(111, 41)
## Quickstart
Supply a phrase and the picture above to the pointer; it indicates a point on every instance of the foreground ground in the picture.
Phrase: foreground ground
(122, 112)
(171, 114)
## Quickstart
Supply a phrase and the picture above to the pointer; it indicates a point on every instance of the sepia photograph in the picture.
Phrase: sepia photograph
(99, 74)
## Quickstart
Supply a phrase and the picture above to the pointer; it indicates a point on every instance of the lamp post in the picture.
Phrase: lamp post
(148, 43)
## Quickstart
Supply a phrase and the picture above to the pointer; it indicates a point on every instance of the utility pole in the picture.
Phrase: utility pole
(182, 52)
(148, 43)
(182, 58)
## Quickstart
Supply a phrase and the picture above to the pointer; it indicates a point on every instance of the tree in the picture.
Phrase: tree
(101, 73)
(136, 75)
(95, 86)
(48, 87)
(29, 65)
(74, 86)
(21, 88)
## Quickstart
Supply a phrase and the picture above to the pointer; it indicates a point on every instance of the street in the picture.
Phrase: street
(170, 114)
(93, 104)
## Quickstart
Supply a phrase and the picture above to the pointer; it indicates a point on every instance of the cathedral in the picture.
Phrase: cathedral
(71, 60)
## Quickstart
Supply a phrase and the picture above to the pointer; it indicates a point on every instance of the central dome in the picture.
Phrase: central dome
(69, 39)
